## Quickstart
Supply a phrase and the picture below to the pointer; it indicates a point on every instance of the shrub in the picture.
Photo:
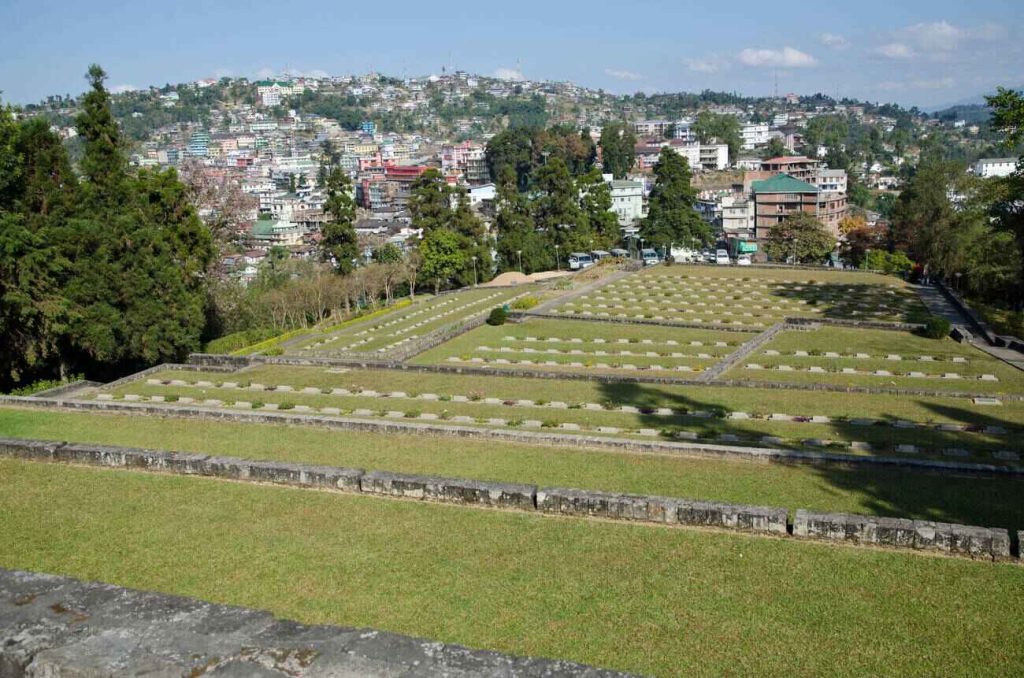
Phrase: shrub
(412, 414)
(44, 385)
(525, 304)
(239, 340)
(475, 396)
(171, 399)
(498, 316)
(286, 406)
(276, 350)
(936, 327)
(514, 423)
(549, 423)
(257, 404)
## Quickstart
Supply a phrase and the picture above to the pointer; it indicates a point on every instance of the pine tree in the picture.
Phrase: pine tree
(671, 218)
(339, 242)
(103, 163)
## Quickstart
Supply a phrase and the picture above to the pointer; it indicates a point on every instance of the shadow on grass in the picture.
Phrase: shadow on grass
(973, 500)
(841, 301)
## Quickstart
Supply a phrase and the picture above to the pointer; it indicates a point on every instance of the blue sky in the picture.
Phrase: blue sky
(909, 51)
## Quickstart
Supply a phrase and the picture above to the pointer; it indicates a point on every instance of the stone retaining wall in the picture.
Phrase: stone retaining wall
(58, 391)
(57, 626)
(925, 535)
(961, 540)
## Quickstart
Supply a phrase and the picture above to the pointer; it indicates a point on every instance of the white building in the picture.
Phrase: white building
(754, 134)
(995, 167)
(627, 200)
(737, 216)
(831, 180)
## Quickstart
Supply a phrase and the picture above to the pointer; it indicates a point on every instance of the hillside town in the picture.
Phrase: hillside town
(263, 142)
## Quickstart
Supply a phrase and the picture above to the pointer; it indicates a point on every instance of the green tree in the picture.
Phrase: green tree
(104, 164)
(339, 242)
(556, 206)
(517, 234)
(596, 203)
(1006, 195)
(430, 205)
(774, 149)
(443, 256)
(388, 253)
(725, 129)
(800, 238)
(671, 217)
(618, 144)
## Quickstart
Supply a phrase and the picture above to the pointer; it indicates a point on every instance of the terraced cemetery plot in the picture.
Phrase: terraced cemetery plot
(854, 423)
(863, 489)
(654, 601)
(403, 326)
(543, 344)
(878, 358)
(742, 297)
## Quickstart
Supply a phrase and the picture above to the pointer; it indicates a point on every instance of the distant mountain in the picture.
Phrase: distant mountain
(977, 100)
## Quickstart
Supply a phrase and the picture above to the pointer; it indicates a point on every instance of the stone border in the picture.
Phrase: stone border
(58, 391)
(628, 445)
(961, 540)
(59, 626)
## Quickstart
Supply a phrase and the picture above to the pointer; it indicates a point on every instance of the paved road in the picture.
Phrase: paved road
(938, 304)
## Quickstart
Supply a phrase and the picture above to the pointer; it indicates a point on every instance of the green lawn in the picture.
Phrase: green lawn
(750, 297)
(651, 600)
(537, 334)
(759, 403)
(883, 439)
(418, 319)
(980, 501)
(878, 345)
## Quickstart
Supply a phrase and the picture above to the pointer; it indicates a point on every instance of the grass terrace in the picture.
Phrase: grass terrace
(608, 348)
(655, 601)
(747, 297)
(853, 423)
(879, 358)
(402, 326)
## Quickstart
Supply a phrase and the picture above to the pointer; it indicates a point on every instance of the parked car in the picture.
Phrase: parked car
(598, 255)
(579, 261)
(743, 260)
(650, 257)
(722, 257)
(620, 253)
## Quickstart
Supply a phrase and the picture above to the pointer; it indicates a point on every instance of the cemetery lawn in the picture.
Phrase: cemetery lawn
(989, 502)
(652, 600)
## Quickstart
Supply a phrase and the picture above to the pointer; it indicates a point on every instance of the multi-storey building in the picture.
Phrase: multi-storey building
(754, 134)
(995, 167)
(782, 196)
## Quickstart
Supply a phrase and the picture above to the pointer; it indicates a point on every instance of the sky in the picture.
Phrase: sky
(926, 53)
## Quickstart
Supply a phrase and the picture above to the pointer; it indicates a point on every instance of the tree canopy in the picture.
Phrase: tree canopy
(671, 217)
(800, 238)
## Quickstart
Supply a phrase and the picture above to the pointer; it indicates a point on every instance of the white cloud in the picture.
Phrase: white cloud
(623, 74)
(508, 74)
(937, 40)
(787, 57)
(834, 41)
(710, 64)
(894, 50)
(935, 36)
(121, 89)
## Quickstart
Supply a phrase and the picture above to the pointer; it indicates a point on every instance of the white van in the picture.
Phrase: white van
(579, 261)
(650, 257)
(722, 257)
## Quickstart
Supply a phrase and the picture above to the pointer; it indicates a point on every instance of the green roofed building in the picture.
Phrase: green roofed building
(782, 195)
